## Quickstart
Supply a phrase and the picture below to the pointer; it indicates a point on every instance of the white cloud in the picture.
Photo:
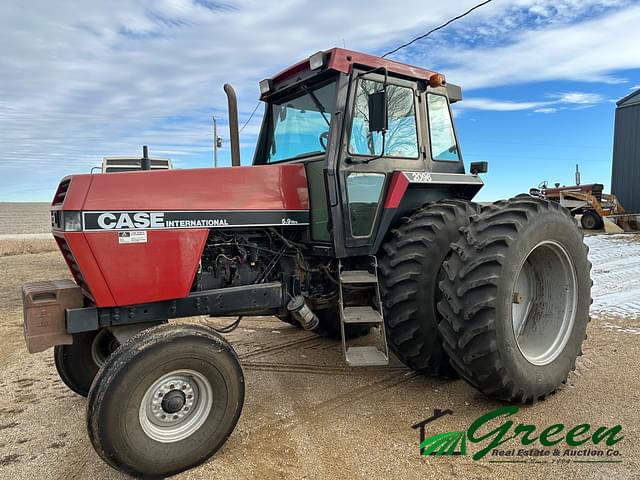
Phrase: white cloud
(79, 81)
(546, 110)
(589, 51)
(499, 105)
(635, 87)
(577, 99)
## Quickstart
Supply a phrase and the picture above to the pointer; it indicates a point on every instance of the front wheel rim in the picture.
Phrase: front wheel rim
(103, 345)
(175, 406)
(544, 302)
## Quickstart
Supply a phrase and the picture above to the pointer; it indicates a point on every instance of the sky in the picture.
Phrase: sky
(81, 80)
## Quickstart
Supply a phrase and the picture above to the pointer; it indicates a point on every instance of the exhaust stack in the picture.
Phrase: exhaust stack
(234, 135)
(145, 161)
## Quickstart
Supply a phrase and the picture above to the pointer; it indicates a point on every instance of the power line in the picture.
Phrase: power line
(250, 117)
(437, 28)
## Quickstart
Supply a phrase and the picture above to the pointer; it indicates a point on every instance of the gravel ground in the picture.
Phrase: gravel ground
(308, 416)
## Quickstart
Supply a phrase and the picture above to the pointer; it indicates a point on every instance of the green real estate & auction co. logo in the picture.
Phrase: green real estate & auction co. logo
(492, 438)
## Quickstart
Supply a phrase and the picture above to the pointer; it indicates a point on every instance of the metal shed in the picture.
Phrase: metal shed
(625, 175)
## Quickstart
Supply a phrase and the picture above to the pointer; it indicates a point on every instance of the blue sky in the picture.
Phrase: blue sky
(78, 82)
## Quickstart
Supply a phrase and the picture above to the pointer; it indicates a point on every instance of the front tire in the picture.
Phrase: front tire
(516, 299)
(590, 220)
(77, 364)
(165, 401)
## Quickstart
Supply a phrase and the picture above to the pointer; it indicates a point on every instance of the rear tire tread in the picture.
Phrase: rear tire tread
(468, 329)
(412, 251)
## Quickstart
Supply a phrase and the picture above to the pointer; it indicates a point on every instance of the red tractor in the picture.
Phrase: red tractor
(355, 219)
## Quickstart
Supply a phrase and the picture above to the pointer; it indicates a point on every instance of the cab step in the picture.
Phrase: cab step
(365, 356)
(358, 276)
(364, 314)
(355, 310)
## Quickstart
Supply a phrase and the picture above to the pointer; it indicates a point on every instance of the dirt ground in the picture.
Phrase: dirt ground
(306, 415)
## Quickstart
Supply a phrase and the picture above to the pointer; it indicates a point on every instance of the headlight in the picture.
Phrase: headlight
(72, 221)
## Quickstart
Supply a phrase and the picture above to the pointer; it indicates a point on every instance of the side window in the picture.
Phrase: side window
(443, 141)
(363, 190)
(401, 138)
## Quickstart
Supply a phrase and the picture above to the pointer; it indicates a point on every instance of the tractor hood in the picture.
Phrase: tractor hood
(137, 237)
(257, 188)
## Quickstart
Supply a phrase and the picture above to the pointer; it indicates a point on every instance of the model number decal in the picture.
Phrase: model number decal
(419, 177)
(443, 178)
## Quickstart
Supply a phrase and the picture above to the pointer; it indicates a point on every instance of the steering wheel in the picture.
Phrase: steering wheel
(324, 140)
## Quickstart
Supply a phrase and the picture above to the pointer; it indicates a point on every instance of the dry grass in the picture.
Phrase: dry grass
(20, 246)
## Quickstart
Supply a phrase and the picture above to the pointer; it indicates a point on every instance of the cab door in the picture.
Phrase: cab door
(365, 165)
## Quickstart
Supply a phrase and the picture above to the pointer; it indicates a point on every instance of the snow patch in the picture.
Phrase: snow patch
(615, 274)
(619, 329)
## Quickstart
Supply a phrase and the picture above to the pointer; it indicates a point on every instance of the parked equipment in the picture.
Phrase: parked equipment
(355, 219)
(129, 164)
(590, 203)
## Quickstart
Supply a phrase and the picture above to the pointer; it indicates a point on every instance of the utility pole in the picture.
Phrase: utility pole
(215, 143)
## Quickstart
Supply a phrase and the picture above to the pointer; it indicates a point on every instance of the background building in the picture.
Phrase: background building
(625, 176)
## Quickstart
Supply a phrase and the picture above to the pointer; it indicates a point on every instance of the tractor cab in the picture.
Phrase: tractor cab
(365, 128)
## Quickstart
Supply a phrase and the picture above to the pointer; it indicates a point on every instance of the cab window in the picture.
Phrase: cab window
(363, 192)
(299, 126)
(401, 139)
(443, 140)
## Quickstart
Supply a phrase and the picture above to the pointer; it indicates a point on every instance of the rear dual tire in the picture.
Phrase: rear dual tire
(516, 299)
(409, 272)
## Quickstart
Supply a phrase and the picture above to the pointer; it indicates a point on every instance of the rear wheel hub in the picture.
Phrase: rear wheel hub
(544, 302)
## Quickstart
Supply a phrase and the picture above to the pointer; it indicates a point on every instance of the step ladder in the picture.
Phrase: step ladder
(370, 313)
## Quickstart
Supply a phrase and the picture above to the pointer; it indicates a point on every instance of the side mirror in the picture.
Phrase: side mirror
(378, 111)
(479, 167)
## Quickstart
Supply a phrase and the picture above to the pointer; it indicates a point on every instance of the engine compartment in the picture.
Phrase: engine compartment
(239, 257)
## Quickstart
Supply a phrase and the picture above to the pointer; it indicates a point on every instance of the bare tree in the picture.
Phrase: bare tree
(401, 137)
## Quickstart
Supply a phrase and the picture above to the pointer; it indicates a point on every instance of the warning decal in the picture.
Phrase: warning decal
(138, 236)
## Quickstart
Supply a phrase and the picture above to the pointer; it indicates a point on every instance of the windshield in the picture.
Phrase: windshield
(299, 126)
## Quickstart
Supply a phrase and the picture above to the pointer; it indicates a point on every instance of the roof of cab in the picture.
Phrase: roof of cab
(342, 60)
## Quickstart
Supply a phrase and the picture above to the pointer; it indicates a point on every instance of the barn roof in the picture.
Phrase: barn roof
(630, 99)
